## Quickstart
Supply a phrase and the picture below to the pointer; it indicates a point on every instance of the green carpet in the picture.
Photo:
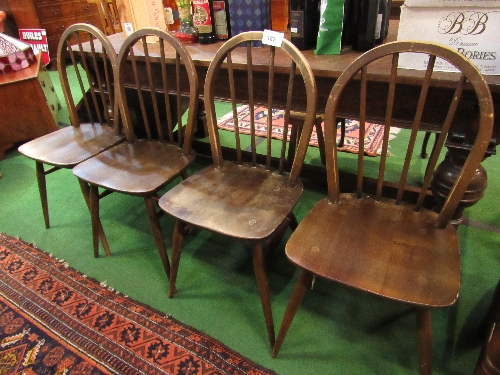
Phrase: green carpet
(336, 331)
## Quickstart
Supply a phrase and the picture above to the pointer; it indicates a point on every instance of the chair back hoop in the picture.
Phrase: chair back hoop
(94, 78)
(223, 56)
(139, 51)
(469, 73)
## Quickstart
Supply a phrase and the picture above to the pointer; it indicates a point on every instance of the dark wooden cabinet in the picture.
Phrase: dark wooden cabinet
(54, 16)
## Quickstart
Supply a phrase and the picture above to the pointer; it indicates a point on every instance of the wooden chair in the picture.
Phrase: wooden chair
(389, 247)
(90, 105)
(247, 197)
(158, 146)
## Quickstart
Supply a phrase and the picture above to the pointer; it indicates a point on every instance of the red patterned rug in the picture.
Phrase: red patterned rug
(373, 132)
(55, 320)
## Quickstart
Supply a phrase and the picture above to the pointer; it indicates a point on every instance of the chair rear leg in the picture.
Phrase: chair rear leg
(293, 221)
(178, 237)
(42, 188)
(424, 332)
(299, 290)
(86, 195)
(157, 233)
(265, 298)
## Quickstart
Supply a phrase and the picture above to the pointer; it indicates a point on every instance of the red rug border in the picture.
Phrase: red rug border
(76, 276)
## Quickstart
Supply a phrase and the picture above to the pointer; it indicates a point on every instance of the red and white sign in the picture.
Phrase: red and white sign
(37, 39)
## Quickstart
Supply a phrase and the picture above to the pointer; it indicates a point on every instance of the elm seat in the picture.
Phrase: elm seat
(90, 104)
(394, 245)
(245, 196)
(157, 149)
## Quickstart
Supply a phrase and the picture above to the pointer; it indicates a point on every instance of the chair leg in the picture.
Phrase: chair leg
(423, 151)
(157, 233)
(293, 221)
(42, 188)
(321, 138)
(424, 332)
(265, 298)
(86, 195)
(94, 214)
(342, 133)
(179, 230)
(299, 290)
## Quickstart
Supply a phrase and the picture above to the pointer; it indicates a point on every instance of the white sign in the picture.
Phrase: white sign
(472, 31)
(272, 38)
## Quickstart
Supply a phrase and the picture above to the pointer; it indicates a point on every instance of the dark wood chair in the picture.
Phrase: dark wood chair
(393, 247)
(244, 195)
(92, 96)
(158, 145)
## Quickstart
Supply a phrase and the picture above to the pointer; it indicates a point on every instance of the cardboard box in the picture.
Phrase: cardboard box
(138, 14)
(468, 26)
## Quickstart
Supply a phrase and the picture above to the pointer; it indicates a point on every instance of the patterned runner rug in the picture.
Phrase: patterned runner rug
(373, 132)
(55, 320)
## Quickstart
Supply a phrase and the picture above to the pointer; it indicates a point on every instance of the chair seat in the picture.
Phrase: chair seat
(69, 146)
(239, 201)
(137, 168)
(379, 247)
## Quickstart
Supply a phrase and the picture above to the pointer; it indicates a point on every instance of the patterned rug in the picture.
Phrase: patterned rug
(373, 132)
(55, 320)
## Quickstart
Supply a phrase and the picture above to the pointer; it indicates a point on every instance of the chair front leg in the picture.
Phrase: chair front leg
(424, 332)
(299, 290)
(176, 255)
(86, 195)
(42, 189)
(157, 233)
(265, 298)
(94, 215)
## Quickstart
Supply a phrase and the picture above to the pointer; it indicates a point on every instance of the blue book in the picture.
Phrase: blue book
(249, 15)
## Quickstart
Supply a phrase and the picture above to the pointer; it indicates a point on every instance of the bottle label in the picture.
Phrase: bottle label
(221, 29)
(201, 16)
(184, 13)
(297, 23)
(378, 26)
(169, 16)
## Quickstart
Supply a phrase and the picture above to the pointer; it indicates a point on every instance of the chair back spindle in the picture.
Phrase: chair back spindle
(93, 73)
(246, 72)
(360, 71)
(162, 96)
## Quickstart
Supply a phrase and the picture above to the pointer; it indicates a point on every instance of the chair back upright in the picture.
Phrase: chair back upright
(250, 69)
(90, 98)
(163, 90)
(469, 80)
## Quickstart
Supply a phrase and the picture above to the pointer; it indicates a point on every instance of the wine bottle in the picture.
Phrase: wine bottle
(365, 14)
(304, 23)
(279, 15)
(221, 19)
(171, 15)
(204, 21)
(348, 23)
(384, 14)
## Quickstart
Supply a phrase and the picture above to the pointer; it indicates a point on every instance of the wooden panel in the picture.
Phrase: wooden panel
(24, 116)
(65, 9)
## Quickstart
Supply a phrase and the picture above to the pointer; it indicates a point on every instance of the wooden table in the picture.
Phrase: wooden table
(327, 69)
(24, 111)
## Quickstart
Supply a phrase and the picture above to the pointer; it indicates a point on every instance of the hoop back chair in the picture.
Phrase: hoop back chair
(247, 197)
(387, 246)
(158, 145)
(90, 103)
